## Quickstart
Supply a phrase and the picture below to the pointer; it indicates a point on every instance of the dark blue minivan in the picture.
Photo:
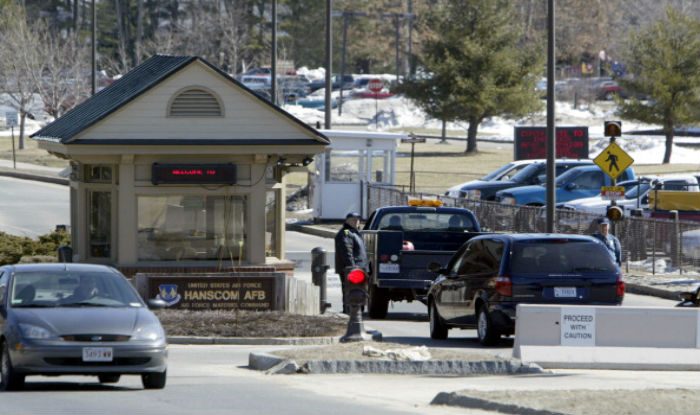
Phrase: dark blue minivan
(490, 274)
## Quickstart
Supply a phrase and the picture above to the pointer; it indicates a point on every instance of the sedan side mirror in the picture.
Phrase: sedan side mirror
(571, 186)
(156, 303)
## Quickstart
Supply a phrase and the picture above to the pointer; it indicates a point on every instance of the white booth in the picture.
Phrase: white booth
(350, 162)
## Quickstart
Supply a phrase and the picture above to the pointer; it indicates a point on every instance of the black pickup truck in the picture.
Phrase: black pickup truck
(402, 240)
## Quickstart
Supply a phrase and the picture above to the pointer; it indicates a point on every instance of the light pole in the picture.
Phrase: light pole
(397, 17)
(329, 60)
(346, 16)
(273, 58)
(551, 127)
(94, 48)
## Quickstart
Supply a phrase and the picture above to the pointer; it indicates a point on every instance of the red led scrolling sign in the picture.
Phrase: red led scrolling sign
(193, 173)
(571, 142)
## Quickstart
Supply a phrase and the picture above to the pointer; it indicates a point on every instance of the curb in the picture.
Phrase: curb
(272, 364)
(311, 230)
(299, 341)
(463, 401)
(32, 176)
(651, 291)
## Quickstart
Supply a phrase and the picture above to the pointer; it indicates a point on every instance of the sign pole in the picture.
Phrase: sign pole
(14, 157)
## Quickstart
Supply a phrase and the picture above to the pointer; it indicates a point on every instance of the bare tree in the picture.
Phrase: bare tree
(19, 43)
(56, 73)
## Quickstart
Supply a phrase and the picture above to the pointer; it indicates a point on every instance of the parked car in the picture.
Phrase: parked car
(504, 172)
(78, 319)
(575, 183)
(348, 81)
(636, 193)
(531, 172)
(491, 274)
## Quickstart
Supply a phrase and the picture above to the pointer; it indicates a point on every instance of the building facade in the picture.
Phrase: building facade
(178, 166)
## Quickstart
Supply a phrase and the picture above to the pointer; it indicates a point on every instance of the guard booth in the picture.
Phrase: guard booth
(177, 167)
(343, 170)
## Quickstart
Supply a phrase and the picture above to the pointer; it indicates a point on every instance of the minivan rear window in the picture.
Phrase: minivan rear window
(560, 256)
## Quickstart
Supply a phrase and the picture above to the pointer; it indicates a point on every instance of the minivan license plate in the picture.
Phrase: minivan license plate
(97, 354)
(565, 291)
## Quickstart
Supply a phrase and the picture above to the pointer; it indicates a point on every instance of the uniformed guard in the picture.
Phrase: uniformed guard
(611, 242)
(350, 251)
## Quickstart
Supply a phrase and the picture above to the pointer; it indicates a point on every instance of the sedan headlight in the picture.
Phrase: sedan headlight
(474, 194)
(151, 332)
(507, 200)
(30, 331)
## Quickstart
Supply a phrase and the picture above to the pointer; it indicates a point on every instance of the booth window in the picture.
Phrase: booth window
(381, 166)
(98, 173)
(99, 223)
(271, 236)
(187, 228)
(343, 165)
(195, 102)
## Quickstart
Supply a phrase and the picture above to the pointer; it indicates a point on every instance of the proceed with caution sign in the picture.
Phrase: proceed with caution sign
(613, 160)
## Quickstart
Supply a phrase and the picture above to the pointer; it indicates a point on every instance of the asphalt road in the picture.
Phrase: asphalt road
(29, 208)
(201, 380)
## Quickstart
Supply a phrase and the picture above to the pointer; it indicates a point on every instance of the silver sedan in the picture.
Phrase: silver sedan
(85, 319)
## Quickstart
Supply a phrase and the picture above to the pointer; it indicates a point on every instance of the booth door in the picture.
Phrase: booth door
(339, 199)
(341, 190)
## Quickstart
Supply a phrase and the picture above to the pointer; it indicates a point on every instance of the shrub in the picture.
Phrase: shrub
(13, 248)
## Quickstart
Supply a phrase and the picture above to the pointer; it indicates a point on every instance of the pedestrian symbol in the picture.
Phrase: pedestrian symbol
(613, 160)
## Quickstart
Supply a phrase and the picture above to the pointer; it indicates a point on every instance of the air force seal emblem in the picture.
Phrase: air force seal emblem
(168, 293)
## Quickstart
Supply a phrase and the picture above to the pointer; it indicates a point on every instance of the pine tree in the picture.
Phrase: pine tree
(479, 65)
(665, 62)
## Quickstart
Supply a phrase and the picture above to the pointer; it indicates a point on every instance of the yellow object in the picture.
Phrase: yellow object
(674, 200)
(614, 213)
(425, 202)
(613, 128)
(613, 160)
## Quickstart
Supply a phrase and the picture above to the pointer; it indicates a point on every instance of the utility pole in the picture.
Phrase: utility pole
(551, 124)
(346, 17)
(411, 65)
(93, 38)
(273, 60)
(397, 17)
(329, 60)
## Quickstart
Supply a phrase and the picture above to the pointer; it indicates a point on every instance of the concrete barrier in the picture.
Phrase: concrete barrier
(603, 337)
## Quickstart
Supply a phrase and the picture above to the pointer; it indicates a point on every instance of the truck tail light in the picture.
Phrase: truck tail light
(504, 285)
(620, 286)
(384, 258)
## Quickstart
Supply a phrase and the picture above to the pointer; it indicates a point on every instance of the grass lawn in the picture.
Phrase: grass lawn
(438, 166)
(30, 154)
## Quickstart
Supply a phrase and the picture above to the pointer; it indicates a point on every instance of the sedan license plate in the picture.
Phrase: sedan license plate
(97, 354)
(564, 292)
(389, 268)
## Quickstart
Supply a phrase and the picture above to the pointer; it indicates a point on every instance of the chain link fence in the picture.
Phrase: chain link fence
(648, 244)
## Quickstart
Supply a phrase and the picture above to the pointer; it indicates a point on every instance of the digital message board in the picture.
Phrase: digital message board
(193, 173)
(531, 142)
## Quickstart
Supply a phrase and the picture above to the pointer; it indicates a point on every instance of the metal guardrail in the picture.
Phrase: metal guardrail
(658, 245)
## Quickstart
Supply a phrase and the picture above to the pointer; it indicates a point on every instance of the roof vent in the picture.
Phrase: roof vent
(195, 102)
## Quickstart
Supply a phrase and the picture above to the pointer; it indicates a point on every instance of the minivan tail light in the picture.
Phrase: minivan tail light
(504, 285)
(620, 285)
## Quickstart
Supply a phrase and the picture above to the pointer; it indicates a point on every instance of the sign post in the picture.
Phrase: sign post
(11, 121)
(413, 140)
(613, 160)
(375, 85)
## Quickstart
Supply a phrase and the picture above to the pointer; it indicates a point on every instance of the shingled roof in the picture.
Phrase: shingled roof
(129, 87)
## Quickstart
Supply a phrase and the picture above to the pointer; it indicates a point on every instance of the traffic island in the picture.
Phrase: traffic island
(386, 358)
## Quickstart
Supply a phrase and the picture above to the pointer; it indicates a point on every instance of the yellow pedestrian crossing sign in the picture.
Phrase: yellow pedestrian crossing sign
(613, 160)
